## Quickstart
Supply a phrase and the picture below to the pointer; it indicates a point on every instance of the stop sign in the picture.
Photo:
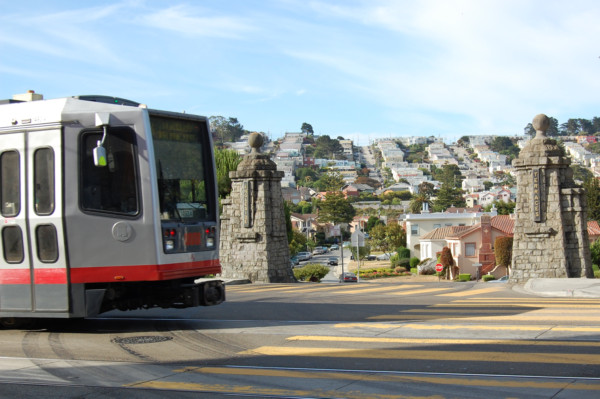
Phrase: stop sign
(439, 267)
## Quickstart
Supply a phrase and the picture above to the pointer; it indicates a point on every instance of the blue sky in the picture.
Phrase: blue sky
(351, 68)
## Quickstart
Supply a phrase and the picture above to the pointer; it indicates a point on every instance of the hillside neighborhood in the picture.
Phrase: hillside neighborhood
(459, 196)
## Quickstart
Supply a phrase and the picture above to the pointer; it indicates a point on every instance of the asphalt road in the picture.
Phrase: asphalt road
(367, 340)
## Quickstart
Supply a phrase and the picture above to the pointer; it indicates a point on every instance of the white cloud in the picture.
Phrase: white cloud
(192, 21)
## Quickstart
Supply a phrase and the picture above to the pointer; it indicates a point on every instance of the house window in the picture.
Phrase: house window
(470, 249)
(414, 229)
(437, 226)
(448, 224)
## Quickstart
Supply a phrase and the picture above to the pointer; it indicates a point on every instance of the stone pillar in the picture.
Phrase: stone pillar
(253, 230)
(550, 234)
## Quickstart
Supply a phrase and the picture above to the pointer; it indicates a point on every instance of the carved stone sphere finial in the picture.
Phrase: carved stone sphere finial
(256, 141)
(541, 123)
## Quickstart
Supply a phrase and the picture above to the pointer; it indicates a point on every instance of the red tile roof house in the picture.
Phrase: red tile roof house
(474, 245)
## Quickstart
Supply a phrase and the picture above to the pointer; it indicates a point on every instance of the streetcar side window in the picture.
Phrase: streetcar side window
(12, 244)
(11, 183)
(43, 176)
(47, 243)
(113, 188)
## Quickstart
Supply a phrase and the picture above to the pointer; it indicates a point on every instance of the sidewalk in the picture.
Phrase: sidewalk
(561, 287)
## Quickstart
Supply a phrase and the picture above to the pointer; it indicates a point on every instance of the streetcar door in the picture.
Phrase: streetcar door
(45, 229)
(15, 272)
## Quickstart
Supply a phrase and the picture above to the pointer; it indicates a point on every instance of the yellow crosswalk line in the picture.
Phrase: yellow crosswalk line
(397, 354)
(422, 291)
(470, 326)
(442, 341)
(473, 292)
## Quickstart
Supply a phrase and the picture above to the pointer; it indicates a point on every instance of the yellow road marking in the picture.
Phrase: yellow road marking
(381, 289)
(440, 341)
(473, 292)
(478, 327)
(384, 377)
(255, 391)
(396, 354)
(423, 291)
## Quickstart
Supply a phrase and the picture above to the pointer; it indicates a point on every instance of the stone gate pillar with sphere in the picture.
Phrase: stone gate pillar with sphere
(550, 233)
(254, 242)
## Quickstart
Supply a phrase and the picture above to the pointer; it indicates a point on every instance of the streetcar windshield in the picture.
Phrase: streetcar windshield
(182, 161)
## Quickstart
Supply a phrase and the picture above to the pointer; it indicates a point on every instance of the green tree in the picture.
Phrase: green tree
(372, 222)
(595, 252)
(226, 161)
(503, 208)
(447, 197)
(330, 181)
(335, 209)
(582, 174)
(307, 129)
(225, 129)
(592, 195)
(326, 147)
(416, 204)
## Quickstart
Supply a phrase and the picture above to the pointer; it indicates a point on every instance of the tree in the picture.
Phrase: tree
(225, 129)
(552, 129)
(416, 204)
(582, 174)
(330, 181)
(592, 195)
(595, 252)
(372, 222)
(335, 209)
(307, 129)
(447, 197)
(447, 261)
(226, 161)
(503, 251)
(326, 147)
(503, 208)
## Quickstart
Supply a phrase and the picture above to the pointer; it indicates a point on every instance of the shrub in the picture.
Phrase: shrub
(488, 277)
(464, 277)
(403, 252)
(400, 269)
(414, 270)
(311, 272)
(414, 261)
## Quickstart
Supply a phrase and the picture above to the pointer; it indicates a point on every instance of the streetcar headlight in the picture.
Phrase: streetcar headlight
(169, 245)
(210, 241)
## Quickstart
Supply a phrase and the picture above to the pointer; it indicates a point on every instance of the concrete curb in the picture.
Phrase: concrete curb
(562, 287)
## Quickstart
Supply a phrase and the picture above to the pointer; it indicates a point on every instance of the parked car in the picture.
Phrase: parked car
(334, 247)
(502, 279)
(302, 256)
(348, 277)
(385, 256)
(333, 261)
(295, 261)
(371, 257)
(318, 251)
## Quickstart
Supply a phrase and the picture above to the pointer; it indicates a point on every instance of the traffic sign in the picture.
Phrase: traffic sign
(439, 267)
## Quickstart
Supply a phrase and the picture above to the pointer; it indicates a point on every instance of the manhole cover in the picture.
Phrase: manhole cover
(143, 339)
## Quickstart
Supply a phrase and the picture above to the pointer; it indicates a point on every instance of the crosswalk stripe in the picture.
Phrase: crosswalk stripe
(398, 354)
(470, 326)
(442, 341)
(473, 292)
(422, 291)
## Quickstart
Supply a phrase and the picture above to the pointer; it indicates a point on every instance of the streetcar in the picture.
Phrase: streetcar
(104, 204)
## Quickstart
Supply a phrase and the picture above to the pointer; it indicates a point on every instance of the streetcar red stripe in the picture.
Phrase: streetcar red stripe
(15, 276)
(144, 272)
(112, 273)
(50, 276)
